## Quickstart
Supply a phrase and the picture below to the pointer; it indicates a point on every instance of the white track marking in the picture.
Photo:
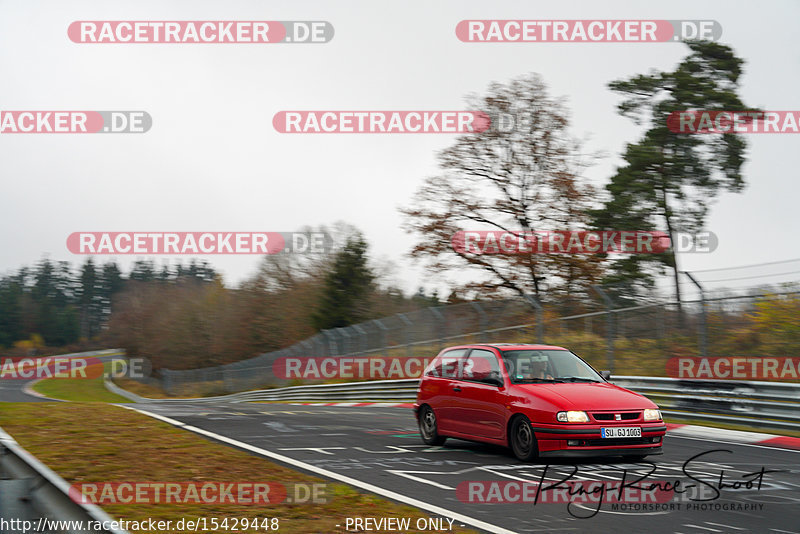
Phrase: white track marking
(389, 494)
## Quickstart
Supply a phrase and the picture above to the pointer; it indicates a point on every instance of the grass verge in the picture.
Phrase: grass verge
(78, 389)
(89, 442)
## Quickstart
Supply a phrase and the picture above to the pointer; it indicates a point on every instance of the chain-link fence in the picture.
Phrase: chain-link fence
(632, 340)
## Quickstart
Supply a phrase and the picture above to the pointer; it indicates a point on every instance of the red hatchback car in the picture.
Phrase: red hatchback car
(538, 400)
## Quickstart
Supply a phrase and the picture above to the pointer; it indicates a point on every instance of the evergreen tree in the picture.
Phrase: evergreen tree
(670, 179)
(347, 286)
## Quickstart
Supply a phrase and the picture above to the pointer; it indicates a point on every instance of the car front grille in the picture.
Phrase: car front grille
(610, 416)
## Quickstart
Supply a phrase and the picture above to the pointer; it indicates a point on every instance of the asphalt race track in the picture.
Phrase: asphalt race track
(14, 391)
(379, 447)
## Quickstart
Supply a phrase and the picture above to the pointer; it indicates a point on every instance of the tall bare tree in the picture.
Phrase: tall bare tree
(522, 174)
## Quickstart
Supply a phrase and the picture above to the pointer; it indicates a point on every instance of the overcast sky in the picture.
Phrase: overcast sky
(212, 160)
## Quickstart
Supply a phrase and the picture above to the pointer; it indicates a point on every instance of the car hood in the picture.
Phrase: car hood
(586, 396)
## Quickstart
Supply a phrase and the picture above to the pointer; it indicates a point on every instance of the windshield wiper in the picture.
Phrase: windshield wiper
(576, 379)
(523, 380)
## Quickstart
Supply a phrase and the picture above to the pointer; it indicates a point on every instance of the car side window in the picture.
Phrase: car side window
(448, 365)
(482, 366)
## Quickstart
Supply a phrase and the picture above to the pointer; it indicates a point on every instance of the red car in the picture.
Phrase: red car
(538, 400)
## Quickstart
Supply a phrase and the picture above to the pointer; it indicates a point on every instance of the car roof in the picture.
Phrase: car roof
(509, 346)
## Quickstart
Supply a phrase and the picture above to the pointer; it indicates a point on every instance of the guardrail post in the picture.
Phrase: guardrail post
(609, 326)
(536, 305)
(703, 320)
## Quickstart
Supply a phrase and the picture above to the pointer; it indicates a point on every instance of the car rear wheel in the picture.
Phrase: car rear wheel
(523, 440)
(427, 427)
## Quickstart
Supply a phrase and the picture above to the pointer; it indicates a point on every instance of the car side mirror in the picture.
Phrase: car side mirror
(606, 375)
(494, 379)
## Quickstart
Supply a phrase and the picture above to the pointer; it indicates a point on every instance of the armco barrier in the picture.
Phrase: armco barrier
(29, 490)
(752, 404)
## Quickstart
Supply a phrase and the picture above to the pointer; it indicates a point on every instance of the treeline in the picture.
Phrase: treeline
(54, 304)
(183, 316)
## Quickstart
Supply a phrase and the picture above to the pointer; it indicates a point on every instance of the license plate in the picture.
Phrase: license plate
(622, 432)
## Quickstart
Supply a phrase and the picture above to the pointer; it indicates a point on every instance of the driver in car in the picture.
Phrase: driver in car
(539, 367)
(532, 368)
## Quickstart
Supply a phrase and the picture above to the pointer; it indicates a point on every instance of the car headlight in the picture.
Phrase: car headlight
(652, 415)
(572, 417)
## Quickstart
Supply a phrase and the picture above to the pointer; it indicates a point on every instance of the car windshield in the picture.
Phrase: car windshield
(547, 366)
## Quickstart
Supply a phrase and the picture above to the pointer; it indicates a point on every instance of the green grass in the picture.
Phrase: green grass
(91, 442)
(77, 389)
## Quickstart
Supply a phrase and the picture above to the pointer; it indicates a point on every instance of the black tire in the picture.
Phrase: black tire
(428, 428)
(523, 440)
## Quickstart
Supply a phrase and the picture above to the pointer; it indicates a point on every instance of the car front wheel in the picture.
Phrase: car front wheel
(427, 427)
(523, 440)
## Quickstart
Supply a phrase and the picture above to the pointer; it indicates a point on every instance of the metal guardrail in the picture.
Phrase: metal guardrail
(368, 391)
(753, 404)
(29, 490)
(749, 403)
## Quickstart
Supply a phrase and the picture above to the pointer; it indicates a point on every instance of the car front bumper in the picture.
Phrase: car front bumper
(587, 440)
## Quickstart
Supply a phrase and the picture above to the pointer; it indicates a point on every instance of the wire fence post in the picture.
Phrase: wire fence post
(333, 349)
(362, 335)
(609, 326)
(536, 305)
(483, 320)
(319, 341)
(409, 323)
(703, 320)
(382, 329)
(346, 347)
(442, 325)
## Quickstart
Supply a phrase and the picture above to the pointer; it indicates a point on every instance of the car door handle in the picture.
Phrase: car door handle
(456, 388)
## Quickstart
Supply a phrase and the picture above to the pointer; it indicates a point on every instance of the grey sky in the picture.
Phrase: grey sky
(212, 160)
